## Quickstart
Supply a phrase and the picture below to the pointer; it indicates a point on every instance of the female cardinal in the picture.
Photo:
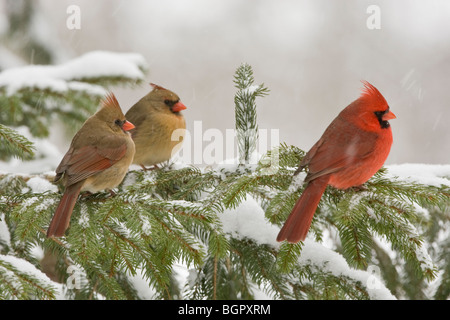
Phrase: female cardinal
(351, 150)
(98, 158)
(156, 117)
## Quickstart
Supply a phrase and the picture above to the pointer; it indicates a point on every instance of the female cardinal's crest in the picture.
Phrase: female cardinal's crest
(156, 87)
(110, 101)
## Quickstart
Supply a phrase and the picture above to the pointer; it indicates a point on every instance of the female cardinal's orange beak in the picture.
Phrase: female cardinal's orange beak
(388, 116)
(127, 126)
(177, 107)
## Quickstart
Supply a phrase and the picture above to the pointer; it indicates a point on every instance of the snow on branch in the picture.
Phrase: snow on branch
(31, 96)
(79, 74)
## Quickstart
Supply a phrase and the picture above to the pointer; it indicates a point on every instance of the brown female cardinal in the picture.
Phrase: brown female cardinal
(98, 158)
(156, 116)
(351, 150)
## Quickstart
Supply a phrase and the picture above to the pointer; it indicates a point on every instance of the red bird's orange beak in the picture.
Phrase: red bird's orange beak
(177, 107)
(128, 126)
(389, 116)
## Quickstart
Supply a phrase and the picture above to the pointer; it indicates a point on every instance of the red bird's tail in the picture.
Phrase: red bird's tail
(61, 218)
(297, 224)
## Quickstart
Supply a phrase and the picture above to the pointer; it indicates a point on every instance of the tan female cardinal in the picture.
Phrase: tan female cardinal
(351, 150)
(98, 158)
(156, 117)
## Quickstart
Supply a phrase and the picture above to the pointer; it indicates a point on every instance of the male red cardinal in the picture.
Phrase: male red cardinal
(98, 158)
(351, 150)
(156, 117)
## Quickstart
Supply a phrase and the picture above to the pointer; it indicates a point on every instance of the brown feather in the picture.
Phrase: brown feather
(157, 87)
(98, 158)
(154, 125)
(110, 101)
(61, 218)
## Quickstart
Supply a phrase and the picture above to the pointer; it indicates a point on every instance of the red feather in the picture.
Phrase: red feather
(351, 150)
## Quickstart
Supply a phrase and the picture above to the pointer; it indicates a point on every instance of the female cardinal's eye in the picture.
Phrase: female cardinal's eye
(118, 122)
(169, 103)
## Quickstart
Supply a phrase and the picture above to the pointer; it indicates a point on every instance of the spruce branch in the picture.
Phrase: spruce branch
(245, 111)
(20, 284)
(14, 144)
(287, 256)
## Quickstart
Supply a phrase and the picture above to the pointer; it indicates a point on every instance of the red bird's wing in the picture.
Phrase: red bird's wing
(342, 145)
(79, 164)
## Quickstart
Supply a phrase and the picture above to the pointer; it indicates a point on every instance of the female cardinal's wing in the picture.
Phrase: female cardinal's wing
(81, 163)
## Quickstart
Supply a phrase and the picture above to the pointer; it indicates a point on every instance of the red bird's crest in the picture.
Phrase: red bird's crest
(371, 94)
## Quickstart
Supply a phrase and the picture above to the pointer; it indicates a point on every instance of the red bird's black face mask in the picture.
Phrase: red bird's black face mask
(383, 117)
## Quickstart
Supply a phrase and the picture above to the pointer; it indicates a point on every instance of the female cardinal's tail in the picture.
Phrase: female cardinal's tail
(297, 224)
(61, 218)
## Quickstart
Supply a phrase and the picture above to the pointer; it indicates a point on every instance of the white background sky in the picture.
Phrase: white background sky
(311, 54)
